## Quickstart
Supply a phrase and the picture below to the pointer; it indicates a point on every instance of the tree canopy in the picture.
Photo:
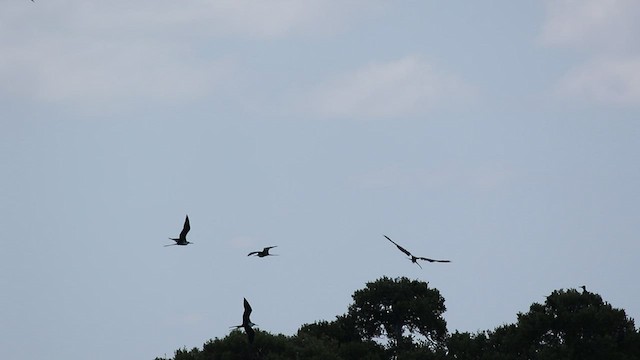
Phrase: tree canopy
(569, 325)
(403, 319)
(389, 308)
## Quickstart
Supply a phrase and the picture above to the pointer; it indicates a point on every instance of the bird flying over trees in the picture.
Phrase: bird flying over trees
(182, 239)
(263, 253)
(414, 259)
(246, 322)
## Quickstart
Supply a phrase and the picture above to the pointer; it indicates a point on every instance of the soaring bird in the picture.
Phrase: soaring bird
(246, 322)
(182, 240)
(414, 259)
(263, 253)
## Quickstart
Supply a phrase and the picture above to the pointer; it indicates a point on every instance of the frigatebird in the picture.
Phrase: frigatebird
(263, 253)
(246, 322)
(414, 259)
(182, 240)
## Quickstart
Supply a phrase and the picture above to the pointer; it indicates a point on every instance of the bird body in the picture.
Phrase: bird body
(182, 239)
(414, 259)
(246, 322)
(263, 253)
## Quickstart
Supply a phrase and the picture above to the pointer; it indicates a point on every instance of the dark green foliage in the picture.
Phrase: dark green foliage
(464, 346)
(340, 338)
(504, 344)
(390, 307)
(570, 325)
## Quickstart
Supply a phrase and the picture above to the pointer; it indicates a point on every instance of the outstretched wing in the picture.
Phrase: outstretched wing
(399, 247)
(433, 260)
(269, 247)
(253, 253)
(176, 240)
(247, 313)
(185, 228)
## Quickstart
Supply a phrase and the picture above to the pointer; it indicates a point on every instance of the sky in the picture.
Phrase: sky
(501, 135)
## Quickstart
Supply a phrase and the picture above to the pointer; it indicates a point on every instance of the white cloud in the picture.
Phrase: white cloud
(599, 24)
(98, 52)
(244, 18)
(271, 18)
(402, 87)
(614, 81)
(67, 71)
(606, 31)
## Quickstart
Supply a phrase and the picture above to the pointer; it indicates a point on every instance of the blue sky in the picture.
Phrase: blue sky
(501, 135)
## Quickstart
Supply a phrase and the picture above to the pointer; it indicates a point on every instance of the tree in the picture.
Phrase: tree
(390, 307)
(465, 346)
(503, 343)
(569, 325)
(339, 339)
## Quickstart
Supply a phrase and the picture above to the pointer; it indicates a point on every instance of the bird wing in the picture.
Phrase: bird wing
(185, 228)
(433, 260)
(247, 313)
(269, 247)
(253, 253)
(398, 246)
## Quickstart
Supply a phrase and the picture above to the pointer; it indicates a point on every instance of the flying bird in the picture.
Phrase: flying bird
(246, 322)
(263, 253)
(414, 259)
(182, 240)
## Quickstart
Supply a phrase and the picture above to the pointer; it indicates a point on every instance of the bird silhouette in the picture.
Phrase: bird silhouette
(584, 289)
(263, 253)
(414, 259)
(246, 322)
(182, 240)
